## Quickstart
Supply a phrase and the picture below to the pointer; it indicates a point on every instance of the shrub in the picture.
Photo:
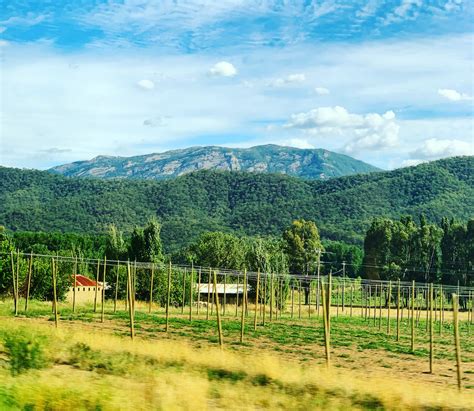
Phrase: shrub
(25, 351)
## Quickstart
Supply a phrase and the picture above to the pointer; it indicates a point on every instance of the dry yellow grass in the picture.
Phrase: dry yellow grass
(168, 374)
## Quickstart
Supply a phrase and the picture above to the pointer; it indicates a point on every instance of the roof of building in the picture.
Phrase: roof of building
(83, 281)
(229, 289)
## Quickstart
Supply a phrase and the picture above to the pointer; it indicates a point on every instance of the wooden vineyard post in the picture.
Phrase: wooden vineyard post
(413, 316)
(213, 299)
(191, 284)
(272, 294)
(103, 291)
(337, 300)
(388, 306)
(456, 340)
(282, 298)
(134, 281)
(431, 328)
(199, 292)
(96, 285)
(242, 318)
(264, 296)
(380, 306)
(309, 299)
(256, 300)
(130, 305)
(183, 297)
(209, 293)
(224, 300)
(15, 302)
(74, 285)
(352, 299)
(329, 301)
(472, 308)
(237, 297)
(55, 297)
(375, 305)
(325, 325)
(127, 291)
(292, 299)
(402, 306)
(318, 284)
(218, 314)
(343, 285)
(441, 314)
(363, 298)
(427, 303)
(246, 297)
(299, 299)
(398, 310)
(28, 282)
(151, 287)
(369, 303)
(116, 286)
(17, 288)
(168, 297)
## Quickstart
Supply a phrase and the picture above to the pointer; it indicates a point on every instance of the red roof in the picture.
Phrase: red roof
(83, 281)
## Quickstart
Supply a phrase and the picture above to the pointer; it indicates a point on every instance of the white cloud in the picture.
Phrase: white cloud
(434, 148)
(407, 10)
(146, 84)
(290, 79)
(453, 95)
(321, 91)
(411, 162)
(371, 131)
(297, 142)
(224, 69)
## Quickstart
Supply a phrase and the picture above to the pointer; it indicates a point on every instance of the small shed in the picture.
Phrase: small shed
(229, 290)
(85, 289)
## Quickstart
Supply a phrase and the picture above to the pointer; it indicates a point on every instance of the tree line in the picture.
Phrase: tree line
(403, 249)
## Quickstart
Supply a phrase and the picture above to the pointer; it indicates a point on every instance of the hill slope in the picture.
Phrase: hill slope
(307, 163)
(245, 203)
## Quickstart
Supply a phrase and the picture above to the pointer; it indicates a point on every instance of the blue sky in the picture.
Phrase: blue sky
(388, 82)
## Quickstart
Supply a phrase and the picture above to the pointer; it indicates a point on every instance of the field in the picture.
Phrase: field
(89, 364)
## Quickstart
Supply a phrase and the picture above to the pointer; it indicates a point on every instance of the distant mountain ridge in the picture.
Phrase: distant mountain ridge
(317, 164)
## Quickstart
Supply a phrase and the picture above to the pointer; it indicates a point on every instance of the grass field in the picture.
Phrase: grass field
(86, 364)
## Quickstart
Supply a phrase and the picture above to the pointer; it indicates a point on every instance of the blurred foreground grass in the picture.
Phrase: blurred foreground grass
(42, 368)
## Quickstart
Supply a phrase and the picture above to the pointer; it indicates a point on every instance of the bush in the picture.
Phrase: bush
(25, 351)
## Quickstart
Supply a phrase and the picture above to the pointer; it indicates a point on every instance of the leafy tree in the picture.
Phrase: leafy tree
(115, 248)
(302, 245)
(6, 247)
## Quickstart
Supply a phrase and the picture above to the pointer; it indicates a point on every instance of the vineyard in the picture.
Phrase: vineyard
(423, 330)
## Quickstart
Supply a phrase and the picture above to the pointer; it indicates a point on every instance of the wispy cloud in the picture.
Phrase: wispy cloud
(296, 78)
(28, 20)
(453, 95)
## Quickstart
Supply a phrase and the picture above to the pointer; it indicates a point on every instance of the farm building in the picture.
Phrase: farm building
(229, 290)
(85, 290)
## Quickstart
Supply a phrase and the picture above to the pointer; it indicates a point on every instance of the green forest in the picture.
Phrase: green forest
(243, 204)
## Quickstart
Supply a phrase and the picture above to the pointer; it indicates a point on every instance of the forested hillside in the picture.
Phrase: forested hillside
(244, 203)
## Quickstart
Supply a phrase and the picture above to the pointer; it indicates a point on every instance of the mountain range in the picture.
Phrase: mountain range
(307, 163)
(240, 202)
